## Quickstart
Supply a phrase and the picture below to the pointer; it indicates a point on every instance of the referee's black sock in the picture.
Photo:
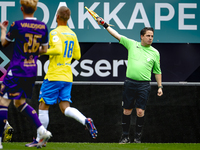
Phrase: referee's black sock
(139, 124)
(126, 119)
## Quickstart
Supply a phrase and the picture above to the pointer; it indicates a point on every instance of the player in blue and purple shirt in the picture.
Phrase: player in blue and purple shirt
(30, 38)
(29, 34)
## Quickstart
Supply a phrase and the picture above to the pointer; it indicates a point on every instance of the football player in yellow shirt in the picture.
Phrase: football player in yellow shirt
(57, 84)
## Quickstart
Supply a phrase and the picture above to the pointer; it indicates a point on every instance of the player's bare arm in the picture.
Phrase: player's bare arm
(3, 27)
(113, 32)
(43, 49)
(158, 78)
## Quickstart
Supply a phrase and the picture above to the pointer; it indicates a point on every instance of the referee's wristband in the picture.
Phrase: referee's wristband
(160, 87)
(105, 25)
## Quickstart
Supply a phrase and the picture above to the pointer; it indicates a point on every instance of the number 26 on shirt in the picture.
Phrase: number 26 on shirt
(69, 45)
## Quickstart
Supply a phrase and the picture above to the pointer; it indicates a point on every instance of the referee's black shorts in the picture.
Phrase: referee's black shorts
(135, 94)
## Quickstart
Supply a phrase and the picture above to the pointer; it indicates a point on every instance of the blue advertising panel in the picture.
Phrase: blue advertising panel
(174, 21)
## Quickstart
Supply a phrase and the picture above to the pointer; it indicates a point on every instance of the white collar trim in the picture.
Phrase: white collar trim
(31, 18)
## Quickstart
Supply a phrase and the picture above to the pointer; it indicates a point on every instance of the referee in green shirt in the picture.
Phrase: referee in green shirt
(142, 59)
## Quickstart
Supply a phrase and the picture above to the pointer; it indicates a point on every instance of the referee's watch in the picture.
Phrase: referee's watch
(160, 87)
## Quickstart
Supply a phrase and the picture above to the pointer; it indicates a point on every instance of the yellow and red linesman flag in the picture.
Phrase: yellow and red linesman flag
(95, 16)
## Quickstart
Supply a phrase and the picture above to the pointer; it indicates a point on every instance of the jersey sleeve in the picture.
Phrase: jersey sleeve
(126, 42)
(55, 41)
(156, 67)
(76, 51)
(12, 33)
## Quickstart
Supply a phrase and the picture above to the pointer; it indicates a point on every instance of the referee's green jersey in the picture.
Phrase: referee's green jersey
(141, 60)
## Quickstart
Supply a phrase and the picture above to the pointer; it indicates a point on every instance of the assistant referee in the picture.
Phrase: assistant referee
(142, 60)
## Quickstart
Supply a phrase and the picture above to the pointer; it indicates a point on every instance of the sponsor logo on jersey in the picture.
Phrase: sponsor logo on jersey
(55, 38)
(53, 33)
(12, 24)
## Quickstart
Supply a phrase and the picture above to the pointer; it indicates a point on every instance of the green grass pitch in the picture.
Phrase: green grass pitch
(106, 146)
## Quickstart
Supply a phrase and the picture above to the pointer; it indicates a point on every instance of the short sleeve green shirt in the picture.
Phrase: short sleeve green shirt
(141, 60)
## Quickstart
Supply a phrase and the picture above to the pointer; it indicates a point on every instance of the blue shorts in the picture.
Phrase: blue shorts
(135, 94)
(17, 87)
(52, 92)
